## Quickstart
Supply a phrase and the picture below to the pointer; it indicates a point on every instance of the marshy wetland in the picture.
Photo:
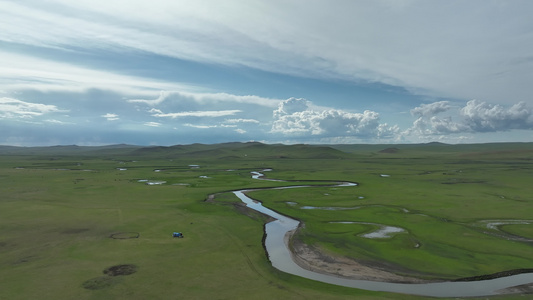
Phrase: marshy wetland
(458, 212)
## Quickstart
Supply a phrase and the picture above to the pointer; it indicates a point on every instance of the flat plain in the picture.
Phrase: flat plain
(70, 214)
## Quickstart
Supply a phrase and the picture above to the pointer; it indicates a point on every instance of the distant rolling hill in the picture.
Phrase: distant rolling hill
(243, 150)
(433, 147)
(221, 151)
(256, 150)
(66, 150)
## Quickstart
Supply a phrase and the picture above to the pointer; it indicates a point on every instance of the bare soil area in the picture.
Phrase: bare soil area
(519, 289)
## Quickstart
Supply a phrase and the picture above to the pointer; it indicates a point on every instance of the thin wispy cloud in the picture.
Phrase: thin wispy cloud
(233, 121)
(14, 108)
(23, 72)
(152, 124)
(200, 126)
(421, 38)
(213, 114)
(205, 98)
(111, 117)
(356, 71)
(58, 122)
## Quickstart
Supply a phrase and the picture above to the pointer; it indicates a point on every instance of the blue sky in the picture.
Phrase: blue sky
(168, 72)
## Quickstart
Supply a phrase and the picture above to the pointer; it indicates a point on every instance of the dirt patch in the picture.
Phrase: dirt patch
(111, 277)
(210, 198)
(125, 235)
(74, 230)
(24, 260)
(120, 270)
(99, 283)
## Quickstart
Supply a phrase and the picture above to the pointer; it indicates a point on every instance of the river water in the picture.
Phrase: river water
(280, 256)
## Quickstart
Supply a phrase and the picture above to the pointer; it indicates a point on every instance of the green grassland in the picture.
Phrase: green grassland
(61, 205)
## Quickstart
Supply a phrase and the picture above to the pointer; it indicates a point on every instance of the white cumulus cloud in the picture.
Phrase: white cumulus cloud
(431, 109)
(475, 116)
(481, 116)
(290, 106)
(293, 117)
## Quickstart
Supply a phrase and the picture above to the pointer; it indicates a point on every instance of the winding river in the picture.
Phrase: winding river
(281, 258)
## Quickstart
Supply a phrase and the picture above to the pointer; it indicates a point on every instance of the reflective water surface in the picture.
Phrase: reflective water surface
(280, 256)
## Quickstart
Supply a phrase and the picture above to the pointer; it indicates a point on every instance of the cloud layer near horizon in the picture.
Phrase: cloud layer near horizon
(293, 119)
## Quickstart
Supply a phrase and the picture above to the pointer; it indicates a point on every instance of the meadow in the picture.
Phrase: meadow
(67, 214)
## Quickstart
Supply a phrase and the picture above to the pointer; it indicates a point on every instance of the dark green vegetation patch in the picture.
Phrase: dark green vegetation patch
(110, 279)
(119, 270)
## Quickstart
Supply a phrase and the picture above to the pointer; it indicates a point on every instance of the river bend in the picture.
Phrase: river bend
(281, 258)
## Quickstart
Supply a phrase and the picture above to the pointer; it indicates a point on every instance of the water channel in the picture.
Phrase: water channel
(281, 258)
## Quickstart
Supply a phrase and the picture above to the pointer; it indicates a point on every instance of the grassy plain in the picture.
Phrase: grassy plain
(60, 205)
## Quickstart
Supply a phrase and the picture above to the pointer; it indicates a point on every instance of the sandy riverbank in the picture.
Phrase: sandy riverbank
(316, 260)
